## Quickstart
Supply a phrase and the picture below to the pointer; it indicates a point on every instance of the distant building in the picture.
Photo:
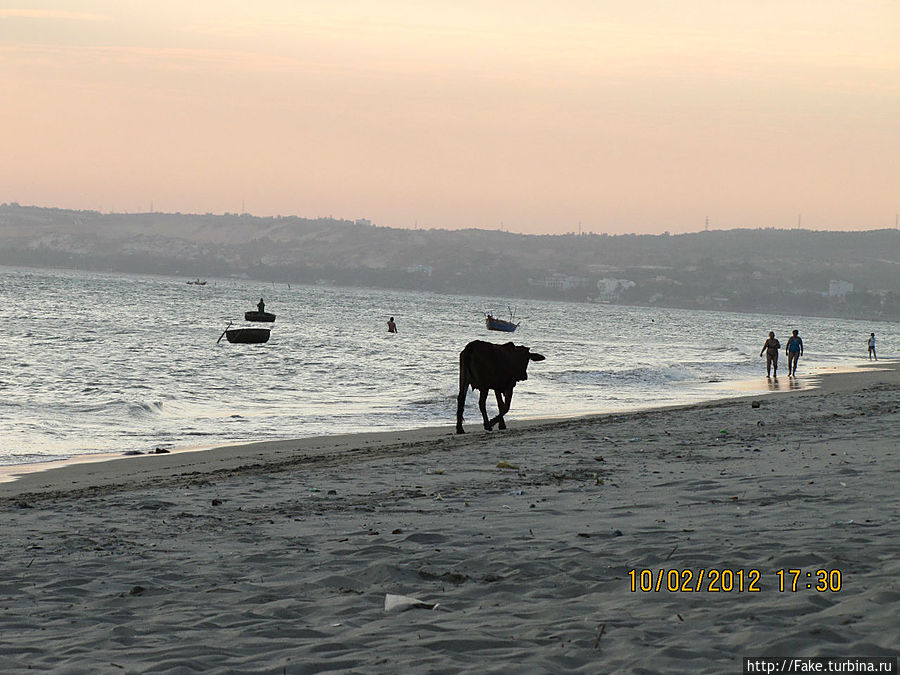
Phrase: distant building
(420, 269)
(838, 289)
(662, 279)
(610, 289)
(560, 282)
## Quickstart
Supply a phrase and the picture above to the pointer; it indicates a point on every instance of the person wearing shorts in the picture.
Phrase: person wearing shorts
(770, 348)
(872, 353)
(793, 350)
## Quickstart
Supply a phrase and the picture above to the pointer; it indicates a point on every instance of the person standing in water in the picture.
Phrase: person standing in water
(872, 353)
(261, 306)
(771, 348)
(793, 351)
(392, 327)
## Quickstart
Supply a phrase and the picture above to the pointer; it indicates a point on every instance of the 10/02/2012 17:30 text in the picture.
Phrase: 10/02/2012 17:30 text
(726, 580)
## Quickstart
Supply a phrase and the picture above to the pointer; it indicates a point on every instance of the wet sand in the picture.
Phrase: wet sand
(277, 557)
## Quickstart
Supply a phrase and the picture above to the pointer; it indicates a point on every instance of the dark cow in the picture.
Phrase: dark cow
(484, 366)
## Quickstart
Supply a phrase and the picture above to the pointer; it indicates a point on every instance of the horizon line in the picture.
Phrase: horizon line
(502, 229)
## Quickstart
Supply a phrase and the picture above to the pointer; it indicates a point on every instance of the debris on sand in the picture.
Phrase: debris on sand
(401, 603)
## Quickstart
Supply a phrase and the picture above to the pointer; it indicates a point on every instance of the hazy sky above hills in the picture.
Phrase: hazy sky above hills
(538, 115)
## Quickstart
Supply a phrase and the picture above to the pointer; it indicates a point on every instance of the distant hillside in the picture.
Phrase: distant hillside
(791, 271)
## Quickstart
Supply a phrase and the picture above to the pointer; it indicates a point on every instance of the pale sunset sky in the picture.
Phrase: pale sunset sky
(534, 115)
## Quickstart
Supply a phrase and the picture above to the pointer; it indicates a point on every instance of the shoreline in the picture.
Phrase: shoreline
(88, 471)
(211, 402)
(534, 543)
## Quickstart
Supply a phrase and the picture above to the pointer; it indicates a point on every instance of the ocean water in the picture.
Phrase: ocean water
(99, 363)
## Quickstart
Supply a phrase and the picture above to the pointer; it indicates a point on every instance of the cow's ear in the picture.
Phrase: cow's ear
(534, 356)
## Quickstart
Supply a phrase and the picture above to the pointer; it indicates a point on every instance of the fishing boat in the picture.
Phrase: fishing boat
(247, 336)
(266, 317)
(196, 283)
(493, 323)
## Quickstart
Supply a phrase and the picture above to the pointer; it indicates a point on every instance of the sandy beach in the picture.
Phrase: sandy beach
(533, 542)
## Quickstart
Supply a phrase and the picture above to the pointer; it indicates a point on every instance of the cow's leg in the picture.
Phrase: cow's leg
(482, 405)
(504, 407)
(460, 404)
(463, 390)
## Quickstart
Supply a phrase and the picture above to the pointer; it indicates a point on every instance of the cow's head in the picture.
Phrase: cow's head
(522, 356)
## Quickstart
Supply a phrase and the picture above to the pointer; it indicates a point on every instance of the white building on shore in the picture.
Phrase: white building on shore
(838, 289)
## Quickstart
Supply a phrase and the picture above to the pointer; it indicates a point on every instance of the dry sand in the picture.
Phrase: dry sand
(277, 557)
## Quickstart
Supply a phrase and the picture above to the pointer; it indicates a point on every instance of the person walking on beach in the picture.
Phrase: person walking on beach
(793, 350)
(770, 348)
(872, 354)
(392, 327)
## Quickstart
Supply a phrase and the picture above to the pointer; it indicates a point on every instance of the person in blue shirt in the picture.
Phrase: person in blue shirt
(793, 350)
